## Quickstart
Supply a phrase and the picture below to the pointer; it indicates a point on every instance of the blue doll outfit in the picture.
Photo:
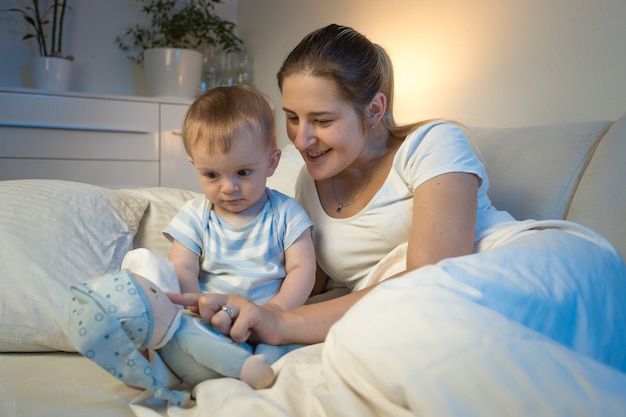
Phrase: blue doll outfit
(111, 322)
(188, 348)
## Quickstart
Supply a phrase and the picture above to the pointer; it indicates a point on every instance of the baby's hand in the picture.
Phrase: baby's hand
(187, 300)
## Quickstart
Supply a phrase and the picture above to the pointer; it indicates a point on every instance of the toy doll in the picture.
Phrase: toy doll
(116, 316)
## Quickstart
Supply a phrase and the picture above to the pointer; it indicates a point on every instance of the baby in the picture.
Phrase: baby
(240, 236)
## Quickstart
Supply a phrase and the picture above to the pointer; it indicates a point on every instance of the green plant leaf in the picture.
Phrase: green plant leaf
(48, 23)
(183, 24)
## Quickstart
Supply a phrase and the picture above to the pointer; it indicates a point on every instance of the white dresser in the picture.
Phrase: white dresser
(111, 141)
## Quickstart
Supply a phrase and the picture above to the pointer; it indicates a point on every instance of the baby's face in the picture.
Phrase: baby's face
(234, 181)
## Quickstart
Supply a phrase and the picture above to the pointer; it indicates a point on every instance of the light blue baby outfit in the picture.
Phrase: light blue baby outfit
(248, 260)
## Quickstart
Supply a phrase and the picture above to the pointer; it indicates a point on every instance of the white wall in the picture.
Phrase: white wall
(482, 62)
(91, 27)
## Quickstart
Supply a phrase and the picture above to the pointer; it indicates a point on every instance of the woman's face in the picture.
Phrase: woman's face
(324, 128)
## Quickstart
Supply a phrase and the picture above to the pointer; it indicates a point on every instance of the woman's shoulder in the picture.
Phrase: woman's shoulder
(433, 134)
(432, 149)
(432, 129)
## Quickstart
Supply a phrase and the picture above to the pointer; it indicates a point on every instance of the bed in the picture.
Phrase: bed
(444, 345)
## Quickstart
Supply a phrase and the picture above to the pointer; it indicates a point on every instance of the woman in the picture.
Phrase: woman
(371, 186)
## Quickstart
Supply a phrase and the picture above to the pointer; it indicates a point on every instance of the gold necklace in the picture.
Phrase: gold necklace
(342, 205)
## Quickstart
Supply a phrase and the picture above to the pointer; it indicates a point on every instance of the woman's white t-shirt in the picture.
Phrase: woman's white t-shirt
(348, 249)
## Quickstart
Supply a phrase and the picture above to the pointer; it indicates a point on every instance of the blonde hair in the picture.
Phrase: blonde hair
(221, 114)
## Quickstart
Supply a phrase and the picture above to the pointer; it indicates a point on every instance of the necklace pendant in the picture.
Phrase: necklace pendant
(339, 208)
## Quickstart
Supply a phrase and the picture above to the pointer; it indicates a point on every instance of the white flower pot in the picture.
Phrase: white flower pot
(172, 72)
(51, 73)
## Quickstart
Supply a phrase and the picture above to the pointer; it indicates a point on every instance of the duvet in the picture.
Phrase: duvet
(450, 340)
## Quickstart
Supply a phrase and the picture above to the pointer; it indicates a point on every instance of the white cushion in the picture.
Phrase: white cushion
(53, 234)
(600, 200)
(164, 204)
(533, 171)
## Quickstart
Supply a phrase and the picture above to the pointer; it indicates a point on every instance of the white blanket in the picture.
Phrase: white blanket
(479, 335)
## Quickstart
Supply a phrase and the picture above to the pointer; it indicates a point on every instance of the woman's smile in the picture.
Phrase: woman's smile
(315, 155)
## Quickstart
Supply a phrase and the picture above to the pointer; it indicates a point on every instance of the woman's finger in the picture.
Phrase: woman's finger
(210, 304)
(257, 324)
(222, 322)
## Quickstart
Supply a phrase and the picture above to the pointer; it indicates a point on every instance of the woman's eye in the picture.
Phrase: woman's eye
(292, 119)
(323, 122)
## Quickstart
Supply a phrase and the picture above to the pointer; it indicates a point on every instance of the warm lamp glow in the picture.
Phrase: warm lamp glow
(427, 76)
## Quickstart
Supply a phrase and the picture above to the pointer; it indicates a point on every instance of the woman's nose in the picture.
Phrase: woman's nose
(305, 136)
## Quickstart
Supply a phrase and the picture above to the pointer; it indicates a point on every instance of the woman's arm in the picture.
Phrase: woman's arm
(306, 324)
(443, 226)
(320, 281)
(300, 268)
(187, 265)
(444, 219)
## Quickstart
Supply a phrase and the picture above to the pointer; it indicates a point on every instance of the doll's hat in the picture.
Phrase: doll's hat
(109, 323)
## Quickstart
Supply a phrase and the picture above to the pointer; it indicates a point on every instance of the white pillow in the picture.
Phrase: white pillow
(53, 234)
(533, 171)
(164, 204)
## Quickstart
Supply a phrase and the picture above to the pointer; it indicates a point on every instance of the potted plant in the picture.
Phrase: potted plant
(170, 42)
(50, 70)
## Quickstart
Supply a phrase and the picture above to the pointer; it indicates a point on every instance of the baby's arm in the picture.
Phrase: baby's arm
(300, 267)
(187, 265)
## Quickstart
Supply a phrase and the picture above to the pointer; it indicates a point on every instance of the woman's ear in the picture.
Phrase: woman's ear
(274, 159)
(376, 109)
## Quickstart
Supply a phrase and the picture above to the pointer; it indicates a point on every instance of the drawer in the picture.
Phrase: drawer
(110, 174)
(33, 142)
(81, 113)
(176, 170)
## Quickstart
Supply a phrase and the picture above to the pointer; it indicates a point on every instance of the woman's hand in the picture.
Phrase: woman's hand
(235, 316)
(307, 324)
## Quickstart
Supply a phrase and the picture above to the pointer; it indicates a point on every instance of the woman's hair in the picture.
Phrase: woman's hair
(222, 114)
(358, 67)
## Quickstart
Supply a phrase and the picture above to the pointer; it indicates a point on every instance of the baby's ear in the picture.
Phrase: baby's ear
(274, 160)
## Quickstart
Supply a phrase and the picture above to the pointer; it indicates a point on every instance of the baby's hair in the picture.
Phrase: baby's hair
(221, 114)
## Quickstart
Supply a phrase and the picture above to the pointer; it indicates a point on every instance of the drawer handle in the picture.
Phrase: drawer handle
(80, 128)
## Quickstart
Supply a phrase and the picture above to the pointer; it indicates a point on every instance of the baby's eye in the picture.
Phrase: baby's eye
(244, 172)
(211, 175)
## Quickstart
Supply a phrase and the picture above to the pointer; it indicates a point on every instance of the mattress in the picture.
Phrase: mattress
(60, 384)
